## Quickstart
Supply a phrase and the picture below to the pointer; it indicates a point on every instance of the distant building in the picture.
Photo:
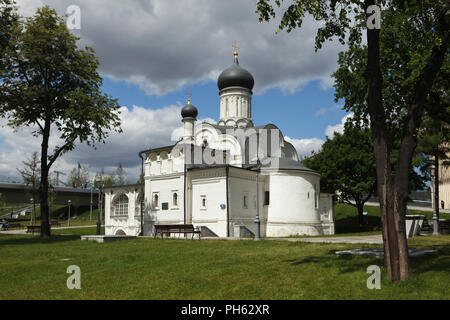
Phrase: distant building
(444, 187)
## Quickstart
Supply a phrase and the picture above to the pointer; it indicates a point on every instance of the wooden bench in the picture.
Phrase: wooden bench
(444, 225)
(55, 224)
(12, 225)
(176, 228)
(33, 228)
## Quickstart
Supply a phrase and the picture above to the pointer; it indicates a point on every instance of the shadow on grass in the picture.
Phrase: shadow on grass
(6, 240)
(438, 261)
(345, 263)
(351, 224)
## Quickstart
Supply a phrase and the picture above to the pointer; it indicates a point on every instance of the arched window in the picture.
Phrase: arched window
(121, 206)
(175, 199)
(156, 200)
(139, 204)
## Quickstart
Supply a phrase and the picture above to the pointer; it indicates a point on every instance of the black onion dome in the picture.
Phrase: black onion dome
(189, 111)
(235, 76)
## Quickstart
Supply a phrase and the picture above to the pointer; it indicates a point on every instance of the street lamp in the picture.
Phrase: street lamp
(257, 221)
(436, 199)
(68, 221)
(90, 211)
(100, 205)
(32, 203)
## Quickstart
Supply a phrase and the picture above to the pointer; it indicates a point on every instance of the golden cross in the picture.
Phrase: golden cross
(235, 47)
(189, 94)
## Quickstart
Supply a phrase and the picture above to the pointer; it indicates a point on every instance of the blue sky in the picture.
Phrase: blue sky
(303, 114)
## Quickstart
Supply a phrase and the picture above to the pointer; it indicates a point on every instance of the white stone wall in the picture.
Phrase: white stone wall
(165, 187)
(243, 183)
(211, 185)
(326, 210)
(129, 224)
(294, 204)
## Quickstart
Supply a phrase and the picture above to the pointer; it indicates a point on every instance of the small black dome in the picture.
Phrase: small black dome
(189, 111)
(235, 76)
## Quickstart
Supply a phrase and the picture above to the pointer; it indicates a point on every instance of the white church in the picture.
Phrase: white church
(226, 179)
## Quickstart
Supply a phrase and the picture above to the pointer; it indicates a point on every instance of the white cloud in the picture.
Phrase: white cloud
(323, 111)
(142, 129)
(305, 147)
(162, 45)
(177, 133)
(339, 128)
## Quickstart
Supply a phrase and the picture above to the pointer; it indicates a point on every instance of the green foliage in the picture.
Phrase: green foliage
(103, 180)
(343, 19)
(121, 176)
(51, 85)
(8, 19)
(406, 40)
(49, 81)
(81, 179)
(140, 180)
(31, 171)
(347, 165)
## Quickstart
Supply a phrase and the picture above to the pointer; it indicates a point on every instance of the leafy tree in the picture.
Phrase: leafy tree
(53, 86)
(140, 180)
(121, 176)
(8, 19)
(107, 180)
(79, 177)
(346, 165)
(31, 171)
(346, 20)
(31, 176)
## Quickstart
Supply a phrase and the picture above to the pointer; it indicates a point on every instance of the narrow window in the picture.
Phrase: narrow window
(266, 198)
(245, 200)
(156, 200)
(203, 202)
(315, 196)
(175, 199)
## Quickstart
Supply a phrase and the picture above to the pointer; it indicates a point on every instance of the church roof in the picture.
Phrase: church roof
(291, 164)
(189, 111)
(235, 76)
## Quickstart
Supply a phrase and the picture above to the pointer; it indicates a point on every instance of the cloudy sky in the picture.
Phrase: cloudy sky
(152, 51)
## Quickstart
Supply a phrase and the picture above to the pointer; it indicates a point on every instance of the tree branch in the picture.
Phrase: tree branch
(58, 151)
(423, 86)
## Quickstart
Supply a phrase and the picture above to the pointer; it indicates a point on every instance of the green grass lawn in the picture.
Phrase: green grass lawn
(147, 268)
(346, 218)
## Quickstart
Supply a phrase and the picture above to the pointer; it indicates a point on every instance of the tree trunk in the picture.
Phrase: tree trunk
(360, 208)
(43, 188)
(396, 261)
(393, 191)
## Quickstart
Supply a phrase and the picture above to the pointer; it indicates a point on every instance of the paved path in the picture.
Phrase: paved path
(24, 231)
(372, 239)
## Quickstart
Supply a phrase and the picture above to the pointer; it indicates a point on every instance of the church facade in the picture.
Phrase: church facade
(226, 178)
